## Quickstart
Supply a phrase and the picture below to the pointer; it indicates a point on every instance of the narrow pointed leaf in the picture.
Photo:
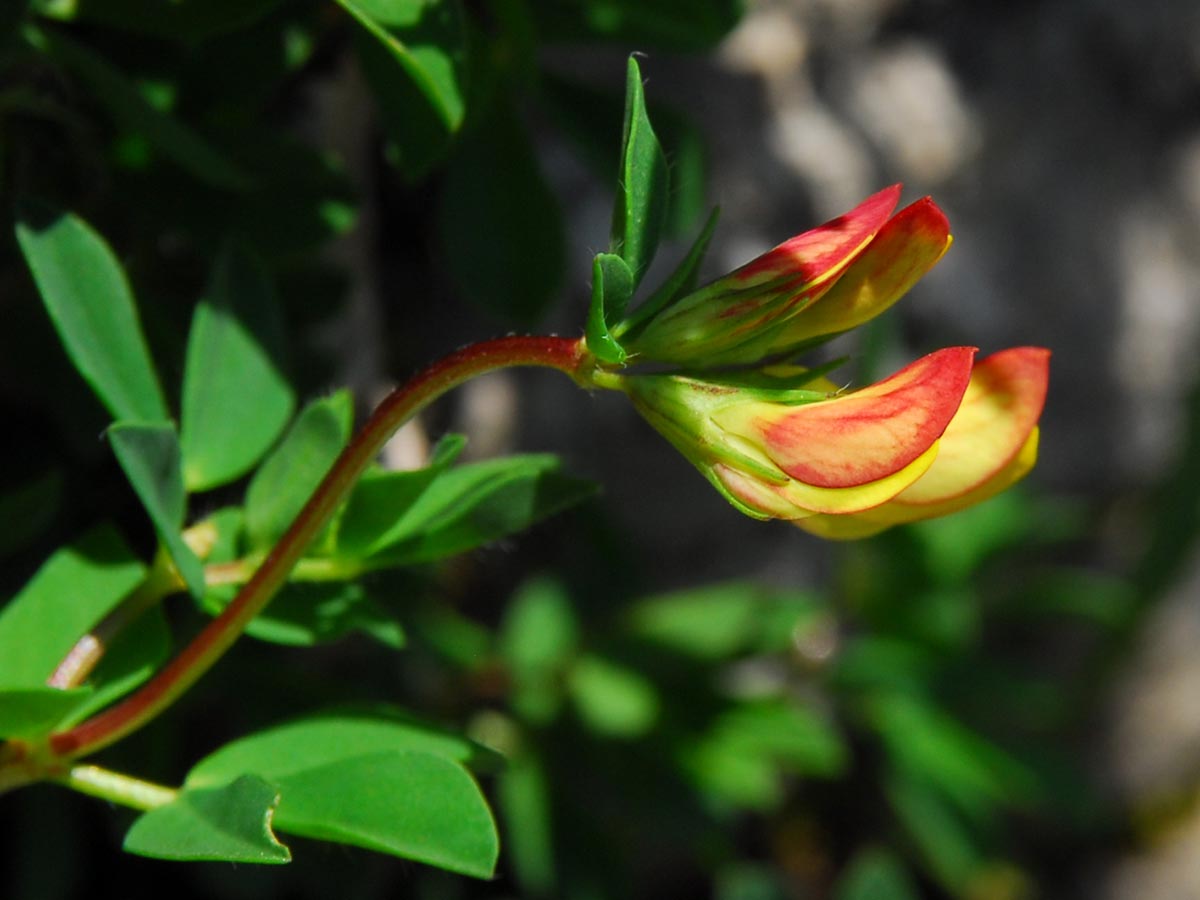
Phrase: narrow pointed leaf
(150, 457)
(641, 203)
(88, 298)
(304, 614)
(236, 399)
(230, 823)
(379, 501)
(612, 288)
(472, 505)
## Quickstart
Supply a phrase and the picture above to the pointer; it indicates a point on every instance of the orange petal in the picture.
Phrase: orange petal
(864, 436)
(905, 249)
(876, 520)
(999, 410)
(816, 255)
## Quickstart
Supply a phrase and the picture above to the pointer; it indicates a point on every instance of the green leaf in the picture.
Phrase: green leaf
(89, 301)
(134, 115)
(611, 699)
(411, 804)
(28, 509)
(538, 640)
(472, 505)
(150, 457)
(378, 502)
(641, 203)
(973, 772)
(389, 784)
(875, 874)
(34, 711)
(304, 614)
(540, 632)
(721, 620)
(413, 53)
(948, 848)
(292, 472)
(231, 823)
(591, 118)
(69, 594)
(499, 223)
(524, 797)
(612, 288)
(710, 623)
(425, 38)
(752, 744)
(236, 399)
(181, 20)
(323, 739)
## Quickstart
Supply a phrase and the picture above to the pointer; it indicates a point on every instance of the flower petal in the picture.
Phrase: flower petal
(818, 254)
(875, 520)
(726, 320)
(907, 247)
(864, 436)
(999, 410)
(795, 500)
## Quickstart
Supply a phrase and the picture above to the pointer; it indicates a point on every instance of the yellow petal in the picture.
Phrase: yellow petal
(843, 501)
(876, 520)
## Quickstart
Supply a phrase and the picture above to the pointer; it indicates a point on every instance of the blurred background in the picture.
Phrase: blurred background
(1003, 704)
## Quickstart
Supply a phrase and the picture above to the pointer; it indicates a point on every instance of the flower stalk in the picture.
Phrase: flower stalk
(567, 355)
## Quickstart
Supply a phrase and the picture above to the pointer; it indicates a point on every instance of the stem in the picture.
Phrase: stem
(568, 355)
(117, 788)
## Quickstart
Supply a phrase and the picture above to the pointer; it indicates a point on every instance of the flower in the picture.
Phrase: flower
(940, 434)
(814, 285)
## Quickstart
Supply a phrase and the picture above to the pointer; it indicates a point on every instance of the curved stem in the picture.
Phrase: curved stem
(568, 355)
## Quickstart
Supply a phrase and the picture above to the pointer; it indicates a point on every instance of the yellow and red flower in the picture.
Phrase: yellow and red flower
(816, 284)
(939, 435)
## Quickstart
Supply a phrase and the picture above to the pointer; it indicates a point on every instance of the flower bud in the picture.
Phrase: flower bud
(796, 452)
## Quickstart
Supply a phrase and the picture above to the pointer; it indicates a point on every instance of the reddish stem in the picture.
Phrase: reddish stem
(565, 354)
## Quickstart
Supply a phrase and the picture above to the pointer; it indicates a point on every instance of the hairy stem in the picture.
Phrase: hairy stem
(565, 354)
